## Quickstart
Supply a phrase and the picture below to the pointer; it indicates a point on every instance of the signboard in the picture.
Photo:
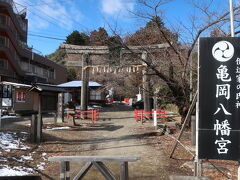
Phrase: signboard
(219, 98)
(6, 102)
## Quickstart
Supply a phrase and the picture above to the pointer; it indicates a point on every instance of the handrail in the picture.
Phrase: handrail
(96, 161)
(94, 158)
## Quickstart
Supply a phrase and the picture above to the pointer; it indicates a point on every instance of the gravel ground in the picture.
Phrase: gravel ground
(116, 133)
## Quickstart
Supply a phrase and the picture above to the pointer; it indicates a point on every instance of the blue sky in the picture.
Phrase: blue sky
(58, 18)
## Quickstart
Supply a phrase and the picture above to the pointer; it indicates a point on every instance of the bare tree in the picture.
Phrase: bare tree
(172, 65)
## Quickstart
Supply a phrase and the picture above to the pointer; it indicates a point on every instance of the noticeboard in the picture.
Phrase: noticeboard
(6, 102)
(219, 98)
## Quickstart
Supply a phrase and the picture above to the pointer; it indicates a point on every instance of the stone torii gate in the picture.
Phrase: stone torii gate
(86, 51)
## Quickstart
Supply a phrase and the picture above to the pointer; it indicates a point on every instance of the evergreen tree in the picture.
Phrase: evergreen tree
(77, 38)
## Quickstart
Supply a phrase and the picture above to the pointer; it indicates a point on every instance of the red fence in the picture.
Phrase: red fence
(140, 115)
(90, 114)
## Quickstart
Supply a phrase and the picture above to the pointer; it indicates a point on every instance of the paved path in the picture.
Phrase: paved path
(119, 134)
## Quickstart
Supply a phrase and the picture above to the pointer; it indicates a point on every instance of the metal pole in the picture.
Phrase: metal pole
(198, 162)
(231, 17)
(191, 79)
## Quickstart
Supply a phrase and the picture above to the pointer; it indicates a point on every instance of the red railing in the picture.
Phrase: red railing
(90, 114)
(141, 115)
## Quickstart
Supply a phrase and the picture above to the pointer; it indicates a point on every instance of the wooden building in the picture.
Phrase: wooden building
(96, 93)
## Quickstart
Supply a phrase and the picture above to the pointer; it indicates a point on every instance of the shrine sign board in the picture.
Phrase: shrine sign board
(219, 98)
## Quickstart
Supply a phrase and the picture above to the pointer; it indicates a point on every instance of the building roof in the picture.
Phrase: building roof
(79, 84)
(46, 87)
(18, 85)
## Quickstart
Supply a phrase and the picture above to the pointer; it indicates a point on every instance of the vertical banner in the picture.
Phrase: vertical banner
(219, 98)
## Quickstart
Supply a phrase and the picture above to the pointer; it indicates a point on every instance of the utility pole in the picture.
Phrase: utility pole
(85, 79)
(232, 35)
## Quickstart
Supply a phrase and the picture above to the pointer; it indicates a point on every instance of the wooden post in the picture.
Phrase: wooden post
(67, 170)
(60, 109)
(146, 86)
(193, 130)
(155, 118)
(39, 121)
(185, 123)
(124, 171)
(84, 88)
(33, 130)
(93, 115)
(62, 170)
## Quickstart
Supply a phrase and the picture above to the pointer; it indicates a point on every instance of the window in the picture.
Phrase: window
(24, 65)
(3, 64)
(2, 19)
(2, 40)
(39, 70)
(7, 91)
(33, 69)
(20, 96)
(51, 74)
(95, 95)
(45, 72)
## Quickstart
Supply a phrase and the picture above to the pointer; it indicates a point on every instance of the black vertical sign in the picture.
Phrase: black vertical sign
(219, 98)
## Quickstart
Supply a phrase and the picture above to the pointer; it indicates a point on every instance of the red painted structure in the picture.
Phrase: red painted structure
(92, 114)
(141, 114)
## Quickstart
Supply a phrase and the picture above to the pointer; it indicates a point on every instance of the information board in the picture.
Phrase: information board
(219, 98)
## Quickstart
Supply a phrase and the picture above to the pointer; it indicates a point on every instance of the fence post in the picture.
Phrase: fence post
(155, 118)
(63, 170)
(93, 116)
(67, 170)
(124, 171)
(33, 129)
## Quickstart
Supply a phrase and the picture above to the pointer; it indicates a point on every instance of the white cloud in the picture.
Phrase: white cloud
(112, 7)
(43, 14)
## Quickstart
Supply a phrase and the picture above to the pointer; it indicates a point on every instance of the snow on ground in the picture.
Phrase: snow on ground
(27, 158)
(41, 166)
(6, 170)
(57, 128)
(10, 141)
(8, 117)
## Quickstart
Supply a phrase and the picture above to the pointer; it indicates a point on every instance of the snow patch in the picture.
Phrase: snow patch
(8, 117)
(3, 159)
(27, 158)
(15, 171)
(57, 128)
(41, 166)
(9, 141)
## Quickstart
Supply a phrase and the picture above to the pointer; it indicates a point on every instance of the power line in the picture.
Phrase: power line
(47, 37)
(55, 22)
(51, 22)
(49, 33)
(46, 3)
(46, 20)
(67, 16)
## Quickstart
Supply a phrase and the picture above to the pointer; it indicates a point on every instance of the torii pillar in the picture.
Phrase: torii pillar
(146, 85)
(85, 80)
